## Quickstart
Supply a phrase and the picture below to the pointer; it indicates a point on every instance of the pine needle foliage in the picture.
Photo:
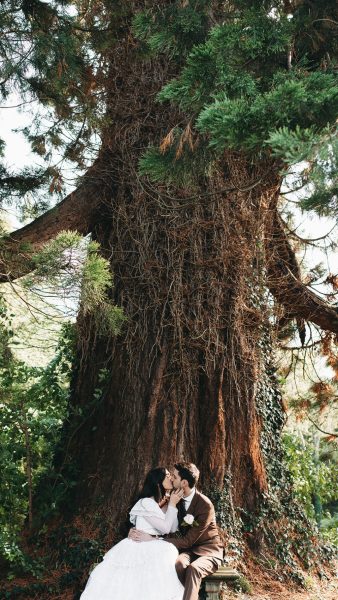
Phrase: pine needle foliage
(248, 72)
(262, 82)
(53, 63)
(70, 263)
(34, 404)
(175, 28)
(319, 151)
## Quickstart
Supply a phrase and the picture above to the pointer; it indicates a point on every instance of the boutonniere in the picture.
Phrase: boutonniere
(189, 521)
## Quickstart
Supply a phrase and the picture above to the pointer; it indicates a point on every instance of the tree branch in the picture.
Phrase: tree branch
(77, 212)
(330, 433)
(284, 280)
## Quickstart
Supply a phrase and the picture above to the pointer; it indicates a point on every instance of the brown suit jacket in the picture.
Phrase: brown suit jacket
(202, 539)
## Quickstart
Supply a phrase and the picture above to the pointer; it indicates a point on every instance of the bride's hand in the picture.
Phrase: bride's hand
(176, 496)
(165, 500)
(139, 536)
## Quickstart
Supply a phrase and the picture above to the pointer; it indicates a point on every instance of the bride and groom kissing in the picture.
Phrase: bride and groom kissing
(173, 544)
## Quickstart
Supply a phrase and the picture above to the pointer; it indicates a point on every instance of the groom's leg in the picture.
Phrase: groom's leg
(194, 573)
(182, 562)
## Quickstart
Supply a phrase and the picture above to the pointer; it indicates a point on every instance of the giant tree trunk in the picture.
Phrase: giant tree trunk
(183, 373)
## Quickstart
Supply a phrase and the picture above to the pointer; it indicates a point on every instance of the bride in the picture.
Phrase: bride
(141, 570)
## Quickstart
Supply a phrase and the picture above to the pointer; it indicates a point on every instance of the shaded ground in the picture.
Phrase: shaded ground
(272, 590)
(261, 585)
(266, 590)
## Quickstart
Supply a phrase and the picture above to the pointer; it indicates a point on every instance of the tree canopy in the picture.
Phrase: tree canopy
(258, 78)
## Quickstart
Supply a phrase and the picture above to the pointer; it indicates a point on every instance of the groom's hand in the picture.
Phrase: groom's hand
(140, 536)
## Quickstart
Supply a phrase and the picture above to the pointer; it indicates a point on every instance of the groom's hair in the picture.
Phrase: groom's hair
(188, 471)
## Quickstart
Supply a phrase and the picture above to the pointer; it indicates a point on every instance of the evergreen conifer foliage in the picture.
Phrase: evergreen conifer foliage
(263, 82)
(50, 67)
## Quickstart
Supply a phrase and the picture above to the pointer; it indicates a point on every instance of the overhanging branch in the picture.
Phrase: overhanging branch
(284, 282)
(77, 212)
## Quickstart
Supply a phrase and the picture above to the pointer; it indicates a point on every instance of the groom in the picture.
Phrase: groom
(201, 550)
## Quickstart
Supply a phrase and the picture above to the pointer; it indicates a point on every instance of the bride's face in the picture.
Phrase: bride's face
(167, 481)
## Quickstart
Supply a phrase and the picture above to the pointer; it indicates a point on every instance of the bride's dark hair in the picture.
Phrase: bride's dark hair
(153, 484)
(152, 487)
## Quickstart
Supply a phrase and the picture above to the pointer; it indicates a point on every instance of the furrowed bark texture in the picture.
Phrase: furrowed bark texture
(184, 371)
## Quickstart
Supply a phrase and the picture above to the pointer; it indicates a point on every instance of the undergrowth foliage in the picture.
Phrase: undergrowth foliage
(313, 467)
(35, 489)
(290, 537)
(34, 402)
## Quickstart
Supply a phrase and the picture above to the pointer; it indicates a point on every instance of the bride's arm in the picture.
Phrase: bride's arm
(163, 525)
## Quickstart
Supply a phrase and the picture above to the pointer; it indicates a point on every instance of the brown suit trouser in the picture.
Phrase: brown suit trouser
(191, 569)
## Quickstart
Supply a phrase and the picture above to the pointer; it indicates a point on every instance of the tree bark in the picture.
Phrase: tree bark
(184, 372)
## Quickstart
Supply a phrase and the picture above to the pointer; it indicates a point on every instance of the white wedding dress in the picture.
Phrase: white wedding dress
(139, 570)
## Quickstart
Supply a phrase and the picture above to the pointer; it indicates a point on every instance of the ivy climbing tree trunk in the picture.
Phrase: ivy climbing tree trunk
(184, 371)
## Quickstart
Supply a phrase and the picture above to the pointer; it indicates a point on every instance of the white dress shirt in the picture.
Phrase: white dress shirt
(188, 499)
